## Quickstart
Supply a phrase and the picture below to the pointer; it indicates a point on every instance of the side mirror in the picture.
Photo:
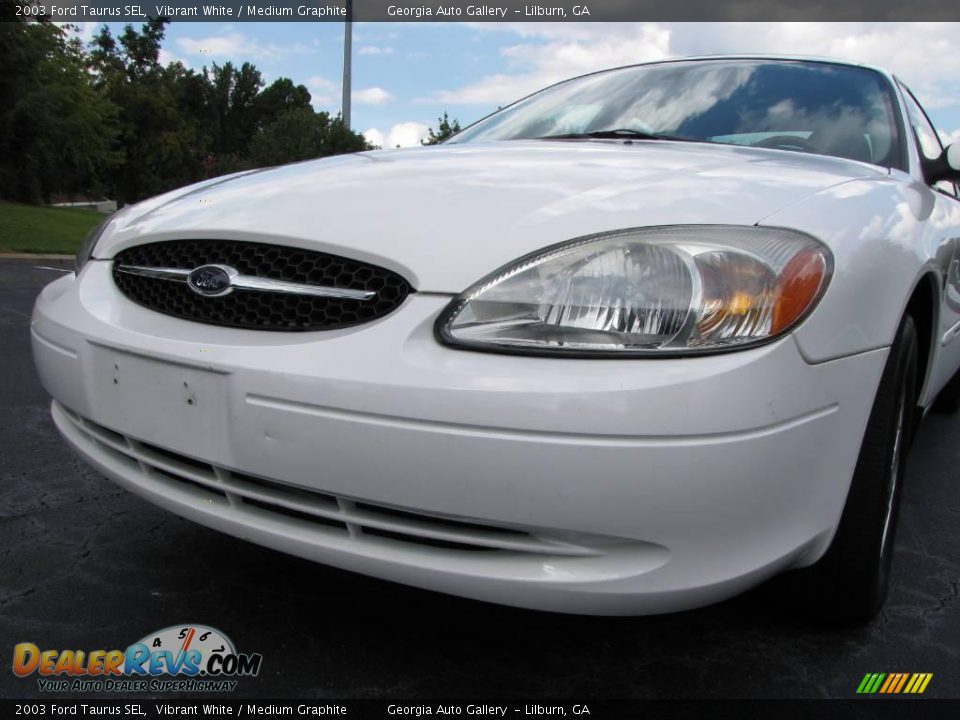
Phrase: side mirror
(945, 167)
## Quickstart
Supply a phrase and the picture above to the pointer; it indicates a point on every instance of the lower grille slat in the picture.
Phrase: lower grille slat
(357, 520)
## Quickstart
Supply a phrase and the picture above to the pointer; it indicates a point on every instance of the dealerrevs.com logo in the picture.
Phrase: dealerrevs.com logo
(180, 658)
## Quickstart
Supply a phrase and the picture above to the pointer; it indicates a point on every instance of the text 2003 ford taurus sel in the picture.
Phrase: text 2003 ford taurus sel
(633, 344)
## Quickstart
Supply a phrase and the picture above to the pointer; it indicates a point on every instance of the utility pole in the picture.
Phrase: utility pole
(347, 58)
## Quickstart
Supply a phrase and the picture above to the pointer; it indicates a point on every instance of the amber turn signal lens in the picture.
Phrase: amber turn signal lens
(797, 287)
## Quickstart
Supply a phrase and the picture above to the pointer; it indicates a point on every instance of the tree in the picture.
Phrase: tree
(190, 94)
(56, 133)
(159, 142)
(113, 118)
(278, 98)
(444, 130)
(234, 98)
(302, 134)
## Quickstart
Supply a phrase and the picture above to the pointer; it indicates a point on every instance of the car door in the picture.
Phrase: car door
(942, 227)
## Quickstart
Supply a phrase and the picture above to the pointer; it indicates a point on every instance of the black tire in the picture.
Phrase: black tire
(848, 585)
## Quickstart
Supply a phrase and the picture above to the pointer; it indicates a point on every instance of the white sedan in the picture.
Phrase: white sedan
(634, 344)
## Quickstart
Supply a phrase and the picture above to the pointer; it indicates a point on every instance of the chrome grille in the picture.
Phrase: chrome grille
(260, 267)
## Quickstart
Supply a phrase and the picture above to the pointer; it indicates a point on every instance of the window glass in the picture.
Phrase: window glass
(927, 138)
(814, 107)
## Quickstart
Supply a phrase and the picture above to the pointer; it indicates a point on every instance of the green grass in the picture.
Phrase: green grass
(33, 229)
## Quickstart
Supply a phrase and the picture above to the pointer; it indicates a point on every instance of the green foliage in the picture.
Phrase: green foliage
(112, 120)
(234, 102)
(280, 97)
(162, 145)
(27, 228)
(444, 130)
(56, 132)
(300, 134)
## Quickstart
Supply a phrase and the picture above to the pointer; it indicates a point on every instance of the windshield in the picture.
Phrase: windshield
(815, 107)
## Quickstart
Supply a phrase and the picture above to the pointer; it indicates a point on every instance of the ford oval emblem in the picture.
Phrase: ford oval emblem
(211, 280)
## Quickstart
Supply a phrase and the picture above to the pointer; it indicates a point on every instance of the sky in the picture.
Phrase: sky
(405, 75)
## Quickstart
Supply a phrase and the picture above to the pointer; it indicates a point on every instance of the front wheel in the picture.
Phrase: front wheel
(849, 583)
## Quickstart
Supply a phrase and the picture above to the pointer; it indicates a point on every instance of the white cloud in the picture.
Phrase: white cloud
(238, 47)
(949, 138)
(405, 134)
(83, 30)
(220, 45)
(320, 83)
(923, 54)
(165, 57)
(375, 50)
(323, 93)
(568, 52)
(372, 96)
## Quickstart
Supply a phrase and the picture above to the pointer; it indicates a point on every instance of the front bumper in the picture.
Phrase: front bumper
(594, 486)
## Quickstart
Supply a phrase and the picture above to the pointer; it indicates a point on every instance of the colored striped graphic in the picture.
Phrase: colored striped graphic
(894, 683)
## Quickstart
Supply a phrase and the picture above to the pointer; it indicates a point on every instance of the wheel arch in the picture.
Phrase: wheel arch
(923, 306)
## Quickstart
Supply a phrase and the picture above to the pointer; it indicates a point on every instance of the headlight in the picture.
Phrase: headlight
(648, 291)
(89, 243)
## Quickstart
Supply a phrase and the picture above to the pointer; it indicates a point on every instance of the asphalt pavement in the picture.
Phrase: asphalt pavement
(84, 564)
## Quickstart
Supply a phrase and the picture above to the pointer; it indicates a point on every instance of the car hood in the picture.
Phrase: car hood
(444, 216)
